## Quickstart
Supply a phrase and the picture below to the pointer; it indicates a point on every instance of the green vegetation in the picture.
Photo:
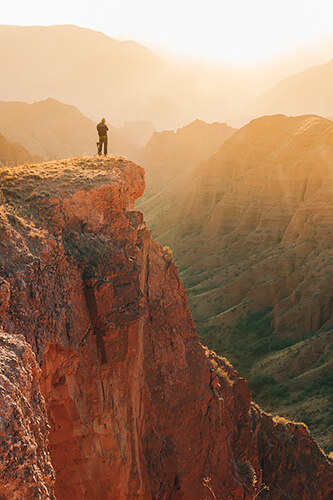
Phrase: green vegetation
(251, 337)
(322, 387)
(168, 250)
(246, 470)
(267, 361)
(221, 371)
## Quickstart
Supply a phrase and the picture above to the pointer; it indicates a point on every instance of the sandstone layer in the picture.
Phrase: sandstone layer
(285, 447)
(138, 408)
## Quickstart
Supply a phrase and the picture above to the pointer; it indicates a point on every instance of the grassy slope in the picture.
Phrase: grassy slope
(303, 393)
(234, 272)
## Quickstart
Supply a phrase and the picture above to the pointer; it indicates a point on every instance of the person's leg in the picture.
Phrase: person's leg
(106, 145)
(100, 146)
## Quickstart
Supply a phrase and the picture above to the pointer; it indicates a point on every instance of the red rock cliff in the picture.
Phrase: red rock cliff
(25, 465)
(137, 407)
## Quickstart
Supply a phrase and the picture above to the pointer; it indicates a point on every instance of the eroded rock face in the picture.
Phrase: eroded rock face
(170, 157)
(251, 231)
(137, 407)
(25, 465)
(252, 226)
(292, 463)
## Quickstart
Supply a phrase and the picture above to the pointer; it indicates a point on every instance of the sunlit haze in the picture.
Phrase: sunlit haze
(236, 31)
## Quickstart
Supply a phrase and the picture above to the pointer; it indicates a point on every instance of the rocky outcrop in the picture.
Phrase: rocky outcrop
(286, 451)
(137, 407)
(25, 465)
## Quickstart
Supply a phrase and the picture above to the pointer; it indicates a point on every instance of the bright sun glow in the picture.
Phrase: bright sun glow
(226, 30)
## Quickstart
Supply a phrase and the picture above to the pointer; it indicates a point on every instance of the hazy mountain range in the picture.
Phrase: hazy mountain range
(51, 129)
(125, 81)
(170, 156)
(307, 92)
(13, 153)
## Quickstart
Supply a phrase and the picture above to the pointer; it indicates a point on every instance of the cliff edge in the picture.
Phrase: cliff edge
(137, 407)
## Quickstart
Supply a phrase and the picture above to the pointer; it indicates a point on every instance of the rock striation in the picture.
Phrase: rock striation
(137, 407)
(286, 451)
(258, 212)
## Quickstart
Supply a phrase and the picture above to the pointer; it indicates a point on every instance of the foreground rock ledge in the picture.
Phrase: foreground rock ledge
(137, 408)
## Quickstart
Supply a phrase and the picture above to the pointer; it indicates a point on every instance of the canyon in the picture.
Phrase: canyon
(95, 318)
(251, 231)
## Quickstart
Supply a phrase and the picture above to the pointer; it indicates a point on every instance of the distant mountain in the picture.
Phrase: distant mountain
(170, 156)
(307, 92)
(13, 153)
(55, 130)
(138, 132)
(126, 82)
(100, 75)
(251, 230)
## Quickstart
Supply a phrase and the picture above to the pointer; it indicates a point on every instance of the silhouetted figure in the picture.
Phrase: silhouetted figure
(103, 137)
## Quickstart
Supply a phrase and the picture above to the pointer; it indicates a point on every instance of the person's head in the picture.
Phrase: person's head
(103, 120)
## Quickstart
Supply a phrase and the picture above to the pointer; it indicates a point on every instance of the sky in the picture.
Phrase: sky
(233, 31)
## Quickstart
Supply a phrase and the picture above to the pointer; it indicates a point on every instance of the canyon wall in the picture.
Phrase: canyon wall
(171, 157)
(137, 407)
(251, 230)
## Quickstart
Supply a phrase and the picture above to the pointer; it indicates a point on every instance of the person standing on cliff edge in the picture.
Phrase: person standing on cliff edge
(102, 129)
